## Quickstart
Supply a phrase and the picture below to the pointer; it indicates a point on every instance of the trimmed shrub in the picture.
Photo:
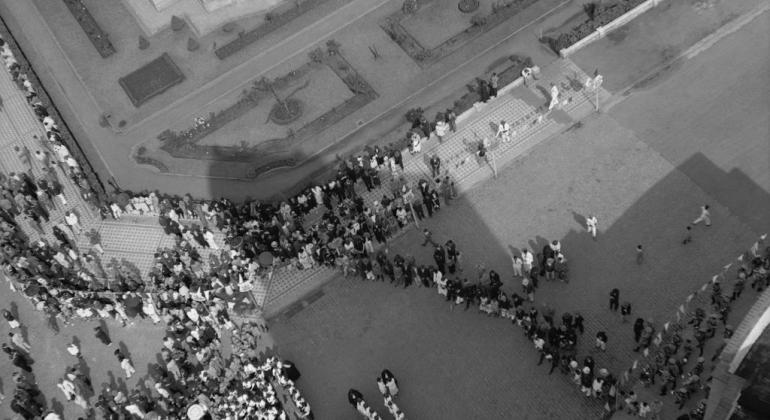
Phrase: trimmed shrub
(177, 23)
(192, 44)
(143, 43)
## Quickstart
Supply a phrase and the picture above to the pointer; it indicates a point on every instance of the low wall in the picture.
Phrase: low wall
(602, 31)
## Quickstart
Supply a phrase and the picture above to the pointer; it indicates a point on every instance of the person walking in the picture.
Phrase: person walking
(441, 128)
(428, 238)
(639, 255)
(591, 223)
(73, 222)
(625, 311)
(125, 364)
(435, 165)
(13, 323)
(451, 118)
(102, 335)
(74, 350)
(504, 131)
(705, 216)
(95, 239)
(614, 299)
(687, 236)
(601, 341)
(517, 265)
(527, 258)
(18, 340)
(494, 81)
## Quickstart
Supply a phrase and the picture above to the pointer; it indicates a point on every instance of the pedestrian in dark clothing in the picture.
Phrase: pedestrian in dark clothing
(638, 328)
(398, 158)
(451, 118)
(639, 255)
(435, 166)
(439, 255)
(614, 299)
(625, 311)
(102, 335)
(453, 256)
(418, 208)
(688, 236)
(577, 323)
(428, 238)
(483, 90)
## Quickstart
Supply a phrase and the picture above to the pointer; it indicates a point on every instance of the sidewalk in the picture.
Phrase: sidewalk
(519, 107)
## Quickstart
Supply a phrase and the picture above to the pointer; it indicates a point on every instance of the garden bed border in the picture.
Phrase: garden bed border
(602, 31)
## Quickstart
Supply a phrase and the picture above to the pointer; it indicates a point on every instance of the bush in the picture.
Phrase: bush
(192, 44)
(177, 23)
(590, 9)
(414, 115)
(143, 43)
(478, 20)
(409, 6)
(269, 17)
(316, 55)
(333, 47)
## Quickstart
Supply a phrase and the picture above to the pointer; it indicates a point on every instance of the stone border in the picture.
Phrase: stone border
(246, 38)
(425, 57)
(165, 60)
(602, 31)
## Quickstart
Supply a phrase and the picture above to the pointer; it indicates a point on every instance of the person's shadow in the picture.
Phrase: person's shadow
(579, 218)
(514, 251)
(57, 407)
(546, 94)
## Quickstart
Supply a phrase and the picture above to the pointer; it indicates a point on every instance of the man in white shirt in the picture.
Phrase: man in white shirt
(72, 221)
(527, 259)
(705, 216)
(591, 223)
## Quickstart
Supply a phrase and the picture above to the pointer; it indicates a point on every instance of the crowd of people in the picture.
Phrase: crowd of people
(194, 296)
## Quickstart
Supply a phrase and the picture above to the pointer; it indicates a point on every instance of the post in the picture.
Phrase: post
(493, 163)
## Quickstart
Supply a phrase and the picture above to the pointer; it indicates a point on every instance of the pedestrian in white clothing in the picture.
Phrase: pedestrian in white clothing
(74, 350)
(591, 223)
(73, 222)
(527, 259)
(504, 131)
(517, 265)
(209, 237)
(705, 216)
(19, 341)
(117, 212)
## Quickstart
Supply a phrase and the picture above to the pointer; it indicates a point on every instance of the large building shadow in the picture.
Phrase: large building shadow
(342, 336)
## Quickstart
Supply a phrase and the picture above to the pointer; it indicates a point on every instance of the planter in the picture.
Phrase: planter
(468, 6)
(285, 115)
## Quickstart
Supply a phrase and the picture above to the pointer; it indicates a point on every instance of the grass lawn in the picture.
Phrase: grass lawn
(440, 20)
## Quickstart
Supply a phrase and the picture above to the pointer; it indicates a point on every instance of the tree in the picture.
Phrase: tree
(177, 23)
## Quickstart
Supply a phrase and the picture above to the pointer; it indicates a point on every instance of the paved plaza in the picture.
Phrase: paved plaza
(681, 125)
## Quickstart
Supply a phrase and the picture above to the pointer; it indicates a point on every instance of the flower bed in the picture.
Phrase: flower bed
(185, 144)
(597, 15)
(426, 56)
(98, 37)
(272, 22)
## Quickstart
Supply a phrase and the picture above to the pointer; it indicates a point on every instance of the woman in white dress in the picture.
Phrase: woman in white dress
(441, 282)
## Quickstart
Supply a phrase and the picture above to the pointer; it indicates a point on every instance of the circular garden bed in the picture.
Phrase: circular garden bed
(284, 115)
